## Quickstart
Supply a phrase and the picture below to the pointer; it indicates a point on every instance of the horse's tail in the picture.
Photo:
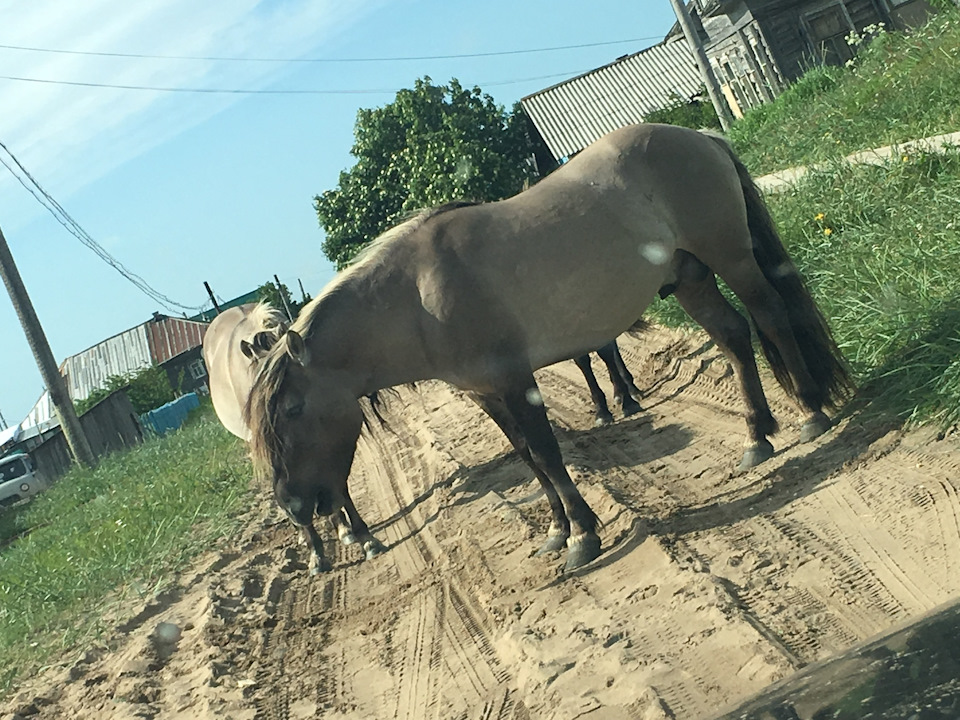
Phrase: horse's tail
(820, 353)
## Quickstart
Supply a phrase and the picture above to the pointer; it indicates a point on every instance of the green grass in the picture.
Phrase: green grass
(884, 262)
(901, 86)
(122, 529)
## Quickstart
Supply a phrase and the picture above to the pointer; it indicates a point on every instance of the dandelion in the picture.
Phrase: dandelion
(827, 231)
(906, 158)
(819, 216)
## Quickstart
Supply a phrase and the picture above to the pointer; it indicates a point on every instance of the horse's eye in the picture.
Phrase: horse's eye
(295, 410)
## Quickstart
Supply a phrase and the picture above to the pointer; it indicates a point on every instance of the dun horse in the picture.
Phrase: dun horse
(480, 296)
(232, 346)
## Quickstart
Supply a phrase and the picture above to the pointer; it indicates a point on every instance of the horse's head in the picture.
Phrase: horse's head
(304, 426)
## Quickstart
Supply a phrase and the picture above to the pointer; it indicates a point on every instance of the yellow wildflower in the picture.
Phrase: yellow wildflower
(818, 217)
(827, 231)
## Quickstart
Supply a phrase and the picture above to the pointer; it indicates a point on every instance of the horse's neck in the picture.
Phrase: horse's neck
(369, 339)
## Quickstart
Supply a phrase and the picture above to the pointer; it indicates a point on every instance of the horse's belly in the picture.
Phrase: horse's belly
(589, 311)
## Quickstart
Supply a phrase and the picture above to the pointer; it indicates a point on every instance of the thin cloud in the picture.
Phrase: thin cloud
(70, 136)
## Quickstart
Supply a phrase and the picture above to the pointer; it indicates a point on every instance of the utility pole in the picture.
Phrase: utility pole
(212, 298)
(283, 298)
(69, 422)
(706, 72)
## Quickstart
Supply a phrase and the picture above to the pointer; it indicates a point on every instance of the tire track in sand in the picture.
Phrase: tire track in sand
(445, 661)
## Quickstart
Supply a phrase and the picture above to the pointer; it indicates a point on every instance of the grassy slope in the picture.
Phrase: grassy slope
(901, 87)
(879, 246)
(99, 535)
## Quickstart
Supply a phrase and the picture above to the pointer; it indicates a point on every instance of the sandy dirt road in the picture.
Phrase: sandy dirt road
(712, 585)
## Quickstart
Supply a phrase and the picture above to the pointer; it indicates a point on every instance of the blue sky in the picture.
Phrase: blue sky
(185, 187)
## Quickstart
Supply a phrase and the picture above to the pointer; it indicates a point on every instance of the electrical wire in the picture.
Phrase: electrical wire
(242, 91)
(73, 227)
(409, 58)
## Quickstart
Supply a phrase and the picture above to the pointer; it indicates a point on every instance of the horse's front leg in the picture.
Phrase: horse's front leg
(623, 387)
(601, 410)
(371, 546)
(318, 561)
(559, 529)
(525, 404)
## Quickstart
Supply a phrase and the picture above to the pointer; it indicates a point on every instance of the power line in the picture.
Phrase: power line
(329, 60)
(242, 91)
(74, 228)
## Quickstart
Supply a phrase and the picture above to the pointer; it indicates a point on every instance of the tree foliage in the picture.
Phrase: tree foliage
(431, 145)
(147, 389)
(696, 114)
(268, 292)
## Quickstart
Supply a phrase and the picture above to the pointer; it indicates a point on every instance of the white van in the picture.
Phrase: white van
(18, 479)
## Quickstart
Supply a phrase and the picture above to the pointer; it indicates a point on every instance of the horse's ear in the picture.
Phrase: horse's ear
(263, 341)
(296, 348)
(259, 346)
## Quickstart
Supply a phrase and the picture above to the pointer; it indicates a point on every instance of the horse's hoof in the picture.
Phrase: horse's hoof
(630, 407)
(348, 538)
(554, 543)
(755, 455)
(372, 548)
(815, 426)
(603, 420)
(582, 550)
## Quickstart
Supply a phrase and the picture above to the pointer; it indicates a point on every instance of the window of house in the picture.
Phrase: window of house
(197, 369)
(827, 30)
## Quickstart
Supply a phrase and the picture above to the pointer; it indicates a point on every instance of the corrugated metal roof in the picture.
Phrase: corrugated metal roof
(150, 343)
(576, 112)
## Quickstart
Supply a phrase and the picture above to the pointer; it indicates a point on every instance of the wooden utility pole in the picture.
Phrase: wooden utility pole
(69, 422)
(283, 298)
(706, 72)
(212, 298)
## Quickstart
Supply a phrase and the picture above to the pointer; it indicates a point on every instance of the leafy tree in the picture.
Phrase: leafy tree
(147, 389)
(432, 144)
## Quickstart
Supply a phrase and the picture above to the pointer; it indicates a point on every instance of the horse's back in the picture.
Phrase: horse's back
(575, 260)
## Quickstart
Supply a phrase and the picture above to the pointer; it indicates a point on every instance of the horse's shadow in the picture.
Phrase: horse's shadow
(506, 471)
(796, 478)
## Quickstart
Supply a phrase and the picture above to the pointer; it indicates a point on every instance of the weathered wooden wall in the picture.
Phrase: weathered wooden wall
(110, 425)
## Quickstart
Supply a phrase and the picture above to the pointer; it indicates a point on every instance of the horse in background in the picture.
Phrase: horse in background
(625, 392)
(480, 296)
(232, 347)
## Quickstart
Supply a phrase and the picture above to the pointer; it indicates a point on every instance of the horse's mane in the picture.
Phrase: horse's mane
(371, 255)
(261, 411)
(265, 317)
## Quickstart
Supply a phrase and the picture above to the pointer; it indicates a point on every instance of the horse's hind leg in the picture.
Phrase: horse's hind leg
(701, 298)
(371, 546)
(601, 410)
(623, 387)
(769, 313)
(559, 529)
